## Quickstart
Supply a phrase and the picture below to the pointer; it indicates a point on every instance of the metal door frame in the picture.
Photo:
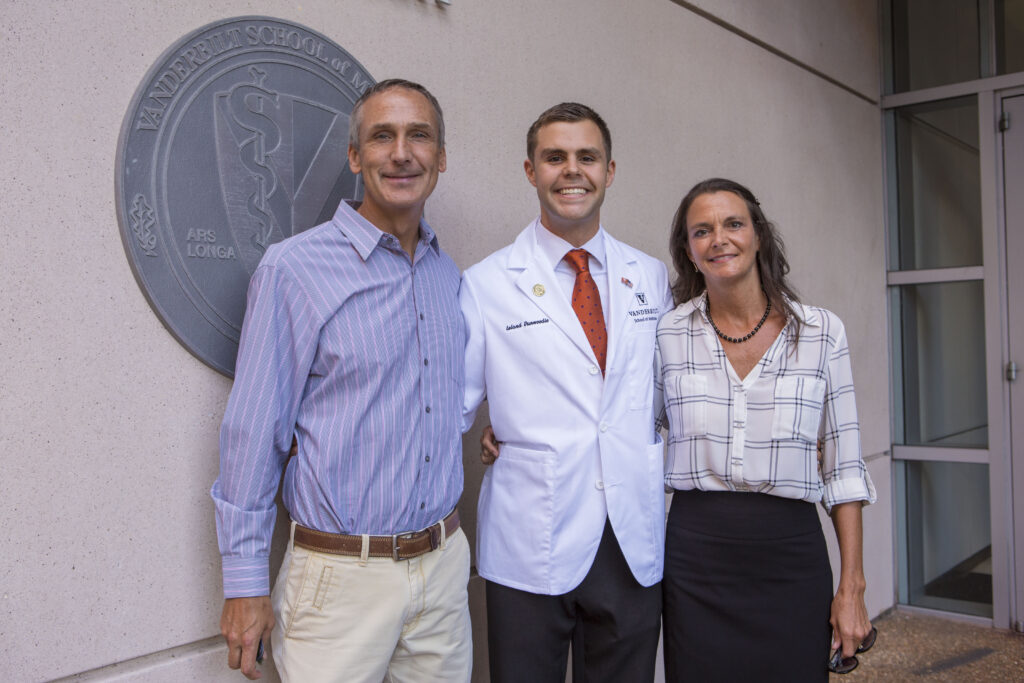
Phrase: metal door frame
(1007, 568)
(1011, 465)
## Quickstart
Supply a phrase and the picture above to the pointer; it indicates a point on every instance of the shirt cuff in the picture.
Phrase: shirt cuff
(246, 577)
(839, 491)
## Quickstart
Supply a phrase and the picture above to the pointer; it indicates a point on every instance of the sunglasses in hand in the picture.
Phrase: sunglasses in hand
(839, 664)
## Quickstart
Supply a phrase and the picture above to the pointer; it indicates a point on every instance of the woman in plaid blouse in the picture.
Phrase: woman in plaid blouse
(751, 381)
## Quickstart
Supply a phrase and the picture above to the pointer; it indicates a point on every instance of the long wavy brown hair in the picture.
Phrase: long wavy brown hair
(772, 266)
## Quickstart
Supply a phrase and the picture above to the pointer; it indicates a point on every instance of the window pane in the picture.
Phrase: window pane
(942, 334)
(934, 42)
(1009, 36)
(948, 541)
(938, 186)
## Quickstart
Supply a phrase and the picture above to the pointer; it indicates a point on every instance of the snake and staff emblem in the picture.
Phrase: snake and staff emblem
(247, 107)
(249, 142)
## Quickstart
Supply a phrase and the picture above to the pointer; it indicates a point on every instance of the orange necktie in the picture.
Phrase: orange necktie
(586, 301)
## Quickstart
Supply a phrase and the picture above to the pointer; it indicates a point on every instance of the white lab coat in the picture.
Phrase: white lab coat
(576, 448)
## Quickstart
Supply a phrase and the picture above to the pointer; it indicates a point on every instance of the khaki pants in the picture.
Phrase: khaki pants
(343, 618)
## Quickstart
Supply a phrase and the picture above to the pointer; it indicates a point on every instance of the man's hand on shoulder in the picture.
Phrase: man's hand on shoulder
(489, 446)
(243, 623)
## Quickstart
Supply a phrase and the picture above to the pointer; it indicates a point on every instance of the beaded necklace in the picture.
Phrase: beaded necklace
(739, 340)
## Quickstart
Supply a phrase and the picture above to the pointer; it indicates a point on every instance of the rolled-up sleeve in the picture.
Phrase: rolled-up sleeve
(844, 474)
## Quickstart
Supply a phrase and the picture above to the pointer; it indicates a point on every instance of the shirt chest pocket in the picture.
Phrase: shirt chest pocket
(798, 404)
(686, 401)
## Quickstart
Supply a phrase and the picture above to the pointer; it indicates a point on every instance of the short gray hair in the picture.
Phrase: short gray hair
(356, 119)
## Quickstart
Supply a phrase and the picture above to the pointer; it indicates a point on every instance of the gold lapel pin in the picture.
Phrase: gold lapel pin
(538, 290)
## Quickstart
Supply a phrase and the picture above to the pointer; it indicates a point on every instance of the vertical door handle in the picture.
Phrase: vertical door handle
(1011, 371)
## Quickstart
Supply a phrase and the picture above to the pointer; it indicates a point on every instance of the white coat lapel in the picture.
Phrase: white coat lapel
(624, 281)
(537, 282)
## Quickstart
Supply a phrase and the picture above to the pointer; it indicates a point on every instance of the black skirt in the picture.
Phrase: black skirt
(747, 590)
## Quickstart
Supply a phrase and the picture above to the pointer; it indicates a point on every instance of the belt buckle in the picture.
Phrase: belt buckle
(394, 544)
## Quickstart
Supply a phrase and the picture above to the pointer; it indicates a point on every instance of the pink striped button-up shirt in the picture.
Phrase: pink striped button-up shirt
(359, 353)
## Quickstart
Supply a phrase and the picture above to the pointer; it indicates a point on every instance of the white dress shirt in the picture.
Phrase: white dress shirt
(760, 433)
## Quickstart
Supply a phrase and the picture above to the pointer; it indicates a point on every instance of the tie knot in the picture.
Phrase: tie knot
(579, 259)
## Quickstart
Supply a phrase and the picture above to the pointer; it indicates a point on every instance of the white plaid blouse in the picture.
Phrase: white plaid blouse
(760, 433)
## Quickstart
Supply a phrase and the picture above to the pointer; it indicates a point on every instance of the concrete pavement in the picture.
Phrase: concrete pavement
(914, 647)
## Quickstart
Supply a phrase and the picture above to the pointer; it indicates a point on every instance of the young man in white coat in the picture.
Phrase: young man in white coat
(560, 341)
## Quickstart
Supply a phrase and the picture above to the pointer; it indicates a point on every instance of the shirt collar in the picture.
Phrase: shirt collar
(555, 248)
(365, 236)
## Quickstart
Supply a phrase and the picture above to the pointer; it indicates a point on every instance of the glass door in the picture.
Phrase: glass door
(936, 281)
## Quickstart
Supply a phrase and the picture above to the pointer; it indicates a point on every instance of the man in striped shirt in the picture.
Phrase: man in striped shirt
(353, 346)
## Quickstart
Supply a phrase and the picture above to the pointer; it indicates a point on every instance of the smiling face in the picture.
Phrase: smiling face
(571, 170)
(721, 240)
(399, 156)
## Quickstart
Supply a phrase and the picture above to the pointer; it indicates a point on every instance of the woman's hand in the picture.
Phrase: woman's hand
(850, 623)
(488, 446)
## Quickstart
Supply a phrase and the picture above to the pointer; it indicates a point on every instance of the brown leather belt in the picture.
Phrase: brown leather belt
(397, 547)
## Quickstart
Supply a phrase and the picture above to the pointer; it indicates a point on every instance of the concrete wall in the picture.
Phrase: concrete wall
(108, 427)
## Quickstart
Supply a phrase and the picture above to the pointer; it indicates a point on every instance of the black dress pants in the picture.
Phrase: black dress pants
(619, 621)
